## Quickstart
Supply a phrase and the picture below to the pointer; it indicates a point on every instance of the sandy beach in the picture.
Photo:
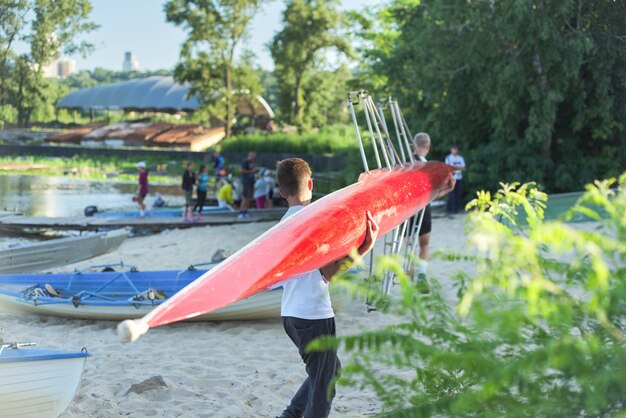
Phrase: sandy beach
(225, 369)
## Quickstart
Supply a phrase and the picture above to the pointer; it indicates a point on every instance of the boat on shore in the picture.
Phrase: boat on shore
(58, 252)
(38, 383)
(173, 212)
(165, 212)
(118, 295)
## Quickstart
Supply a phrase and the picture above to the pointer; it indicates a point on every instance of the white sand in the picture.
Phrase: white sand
(227, 369)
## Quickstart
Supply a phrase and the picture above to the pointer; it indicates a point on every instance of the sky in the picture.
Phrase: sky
(139, 26)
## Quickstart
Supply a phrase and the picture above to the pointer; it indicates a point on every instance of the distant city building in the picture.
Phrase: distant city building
(131, 63)
(60, 68)
(51, 70)
(66, 68)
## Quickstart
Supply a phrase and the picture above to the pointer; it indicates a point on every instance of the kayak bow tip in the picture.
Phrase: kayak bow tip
(131, 329)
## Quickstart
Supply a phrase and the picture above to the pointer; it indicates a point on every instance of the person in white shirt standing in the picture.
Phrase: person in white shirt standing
(306, 308)
(453, 203)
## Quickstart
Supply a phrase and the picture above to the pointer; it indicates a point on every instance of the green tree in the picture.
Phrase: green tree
(530, 88)
(215, 29)
(311, 28)
(98, 76)
(324, 95)
(539, 327)
(269, 87)
(49, 27)
(12, 19)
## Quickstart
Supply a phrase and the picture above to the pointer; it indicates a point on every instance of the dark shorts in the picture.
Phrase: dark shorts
(426, 222)
(248, 190)
(188, 198)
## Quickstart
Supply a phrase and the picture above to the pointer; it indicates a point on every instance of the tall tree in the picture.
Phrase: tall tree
(533, 89)
(324, 93)
(311, 28)
(215, 30)
(12, 18)
(50, 27)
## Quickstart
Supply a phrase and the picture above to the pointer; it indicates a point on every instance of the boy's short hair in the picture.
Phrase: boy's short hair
(292, 175)
(421, 139)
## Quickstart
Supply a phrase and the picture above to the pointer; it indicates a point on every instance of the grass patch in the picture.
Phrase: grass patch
(96, 168)
(336, 140)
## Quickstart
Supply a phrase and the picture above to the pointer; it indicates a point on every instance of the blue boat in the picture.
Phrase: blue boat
(125, 294)
(157, 213)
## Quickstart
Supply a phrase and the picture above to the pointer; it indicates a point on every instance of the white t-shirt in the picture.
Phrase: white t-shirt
(270, 183)
(306, 296)
(260, 188)
(456, 161)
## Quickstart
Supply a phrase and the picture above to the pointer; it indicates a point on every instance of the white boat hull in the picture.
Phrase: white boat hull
(38, 389)
(265, 305)
(54, 253)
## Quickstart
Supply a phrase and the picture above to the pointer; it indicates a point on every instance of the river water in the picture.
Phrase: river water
(66, 196)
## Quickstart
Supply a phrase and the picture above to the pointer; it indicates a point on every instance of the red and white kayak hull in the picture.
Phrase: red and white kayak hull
(323, 232)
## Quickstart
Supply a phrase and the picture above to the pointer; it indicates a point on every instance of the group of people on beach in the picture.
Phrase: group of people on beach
(200, 181)
(257, 184)
(254, 184)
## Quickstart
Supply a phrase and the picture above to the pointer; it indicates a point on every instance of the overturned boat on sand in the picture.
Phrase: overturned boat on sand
(58, 252)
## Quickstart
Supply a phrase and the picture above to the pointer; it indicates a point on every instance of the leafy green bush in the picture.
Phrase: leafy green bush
(334, 140)
(538, 330)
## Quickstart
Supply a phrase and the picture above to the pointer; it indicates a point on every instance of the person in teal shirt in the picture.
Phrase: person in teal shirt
(202, 188)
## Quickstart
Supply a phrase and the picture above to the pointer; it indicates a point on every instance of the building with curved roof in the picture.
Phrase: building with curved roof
(152, 94)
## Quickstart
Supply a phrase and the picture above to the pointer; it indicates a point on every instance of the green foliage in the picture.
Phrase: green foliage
(49, 27)
(215, 29)
(335, 140)
(324, 94)
(332, 140)
(308, 92)
(91, 78)
(529, 89)
(538, 330)
(55, 28)
(7, 113)
(269, 87)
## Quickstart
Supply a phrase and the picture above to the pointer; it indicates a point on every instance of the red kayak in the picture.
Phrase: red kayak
(323, 232)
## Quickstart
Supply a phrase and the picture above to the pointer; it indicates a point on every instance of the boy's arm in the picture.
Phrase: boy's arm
(371, 233)
(449, 186)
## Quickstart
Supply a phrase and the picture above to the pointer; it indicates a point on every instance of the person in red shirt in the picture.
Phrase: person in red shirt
(142, 189)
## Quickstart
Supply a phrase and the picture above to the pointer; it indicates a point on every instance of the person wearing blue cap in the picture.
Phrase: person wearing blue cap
(453, 202)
